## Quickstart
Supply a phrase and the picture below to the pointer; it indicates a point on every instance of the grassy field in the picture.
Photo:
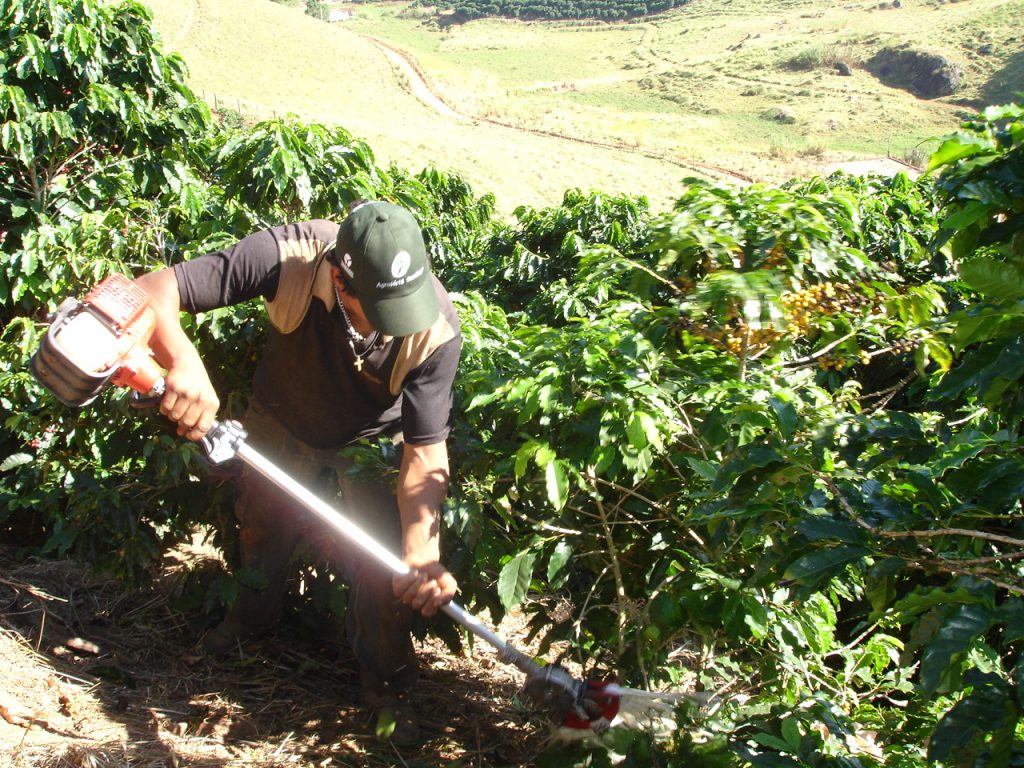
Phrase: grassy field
(704, 84)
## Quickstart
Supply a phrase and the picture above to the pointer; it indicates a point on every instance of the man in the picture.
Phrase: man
(363, 343)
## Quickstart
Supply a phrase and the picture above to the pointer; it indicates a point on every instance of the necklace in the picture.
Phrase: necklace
(352, 332)
(353, 335)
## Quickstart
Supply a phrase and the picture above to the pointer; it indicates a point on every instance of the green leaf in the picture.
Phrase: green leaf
(987, 370)
(755, 616)
(994, 279)
(560, 557)
(1018, 681)
(385, 725)
(878, 584)
(821, 528)
(967, 216)
(773, 742)
(705, 469)
(750, 457)
(515, 579)
(636, 433)
(1012, 613)
(785, 415)
(253, 578)
(226, 590)
(16, 460)
(666, 611)
(954, 638)
(986, 710)
(954, 456)
(642, 431)
(937, 351)
(791, 733)
(954, 149)
(813, 568)
(557, 484)
(914, 604)
(526, 452)
(544, 455)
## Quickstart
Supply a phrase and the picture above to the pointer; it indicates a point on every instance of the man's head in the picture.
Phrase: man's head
(381, 253)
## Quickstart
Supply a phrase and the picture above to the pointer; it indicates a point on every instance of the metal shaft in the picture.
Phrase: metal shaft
(227, 440)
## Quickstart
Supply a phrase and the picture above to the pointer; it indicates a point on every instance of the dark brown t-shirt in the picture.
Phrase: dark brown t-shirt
(308, 376)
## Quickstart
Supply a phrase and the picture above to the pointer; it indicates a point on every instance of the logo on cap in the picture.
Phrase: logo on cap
(401, 264)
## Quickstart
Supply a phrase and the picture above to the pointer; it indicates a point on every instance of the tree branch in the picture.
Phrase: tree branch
(649, 502)
(944, 564)
(613, 554)
(814, 355)
(986, 560)
(966, 532)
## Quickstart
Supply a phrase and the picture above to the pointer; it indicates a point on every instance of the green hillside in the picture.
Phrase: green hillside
(283, 61)
(727, 85)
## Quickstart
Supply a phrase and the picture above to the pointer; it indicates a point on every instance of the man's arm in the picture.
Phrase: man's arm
(189, 399)
(422, 488)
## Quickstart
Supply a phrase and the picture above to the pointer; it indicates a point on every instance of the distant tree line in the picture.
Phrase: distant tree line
(603, 10)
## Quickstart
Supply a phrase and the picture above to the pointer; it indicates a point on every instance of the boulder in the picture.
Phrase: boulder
(928, 75)
(782, 115)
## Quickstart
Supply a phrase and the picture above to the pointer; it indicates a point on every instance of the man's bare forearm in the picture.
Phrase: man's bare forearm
(422, 489)
(189, 399)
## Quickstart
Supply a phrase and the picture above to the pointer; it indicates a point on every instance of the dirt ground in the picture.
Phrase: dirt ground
(95, 676)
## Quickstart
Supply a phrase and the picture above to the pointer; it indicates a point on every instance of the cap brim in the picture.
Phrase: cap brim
(404, 315)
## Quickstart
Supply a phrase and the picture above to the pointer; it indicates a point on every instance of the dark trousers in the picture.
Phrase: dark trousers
(272, 524)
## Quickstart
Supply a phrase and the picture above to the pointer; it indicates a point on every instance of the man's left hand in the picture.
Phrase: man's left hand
(425, 588)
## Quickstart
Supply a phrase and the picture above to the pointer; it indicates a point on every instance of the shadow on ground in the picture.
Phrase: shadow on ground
(99, 676)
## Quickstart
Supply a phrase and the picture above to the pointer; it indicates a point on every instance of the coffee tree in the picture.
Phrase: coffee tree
(818, 516)
(765, 446)
(110, 164)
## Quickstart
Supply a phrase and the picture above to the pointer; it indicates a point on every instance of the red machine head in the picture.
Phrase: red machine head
(102, 338)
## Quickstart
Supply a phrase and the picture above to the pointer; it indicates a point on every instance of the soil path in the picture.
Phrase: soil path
(417, 82)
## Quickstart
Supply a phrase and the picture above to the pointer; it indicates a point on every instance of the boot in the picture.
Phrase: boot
(378, 628)
(225, 637)
(394, 718)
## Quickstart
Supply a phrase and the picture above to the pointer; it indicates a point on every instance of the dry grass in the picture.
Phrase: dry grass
(281, 61)
(98, 676)
(626, 108)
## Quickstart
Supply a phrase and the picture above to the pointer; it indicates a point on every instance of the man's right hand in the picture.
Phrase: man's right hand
(189, 399)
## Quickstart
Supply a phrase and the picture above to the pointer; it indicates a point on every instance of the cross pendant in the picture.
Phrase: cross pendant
(359, 363)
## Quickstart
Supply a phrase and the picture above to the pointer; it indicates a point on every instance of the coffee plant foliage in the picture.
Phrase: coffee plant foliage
(778, 444)
(110, 164)
(765, 446)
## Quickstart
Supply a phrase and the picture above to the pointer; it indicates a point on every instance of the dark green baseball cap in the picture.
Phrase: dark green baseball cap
(380, 249)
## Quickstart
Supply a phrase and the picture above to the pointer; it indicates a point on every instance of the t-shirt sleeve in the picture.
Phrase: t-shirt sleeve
(249, 268)
(427, 411)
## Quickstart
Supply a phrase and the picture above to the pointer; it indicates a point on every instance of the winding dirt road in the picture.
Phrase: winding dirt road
(419, 85)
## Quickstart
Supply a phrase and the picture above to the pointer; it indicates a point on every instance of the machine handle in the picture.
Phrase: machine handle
(227, 440)
(149, 400)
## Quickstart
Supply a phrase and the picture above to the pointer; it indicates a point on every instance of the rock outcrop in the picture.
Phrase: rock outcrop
(928, 75)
